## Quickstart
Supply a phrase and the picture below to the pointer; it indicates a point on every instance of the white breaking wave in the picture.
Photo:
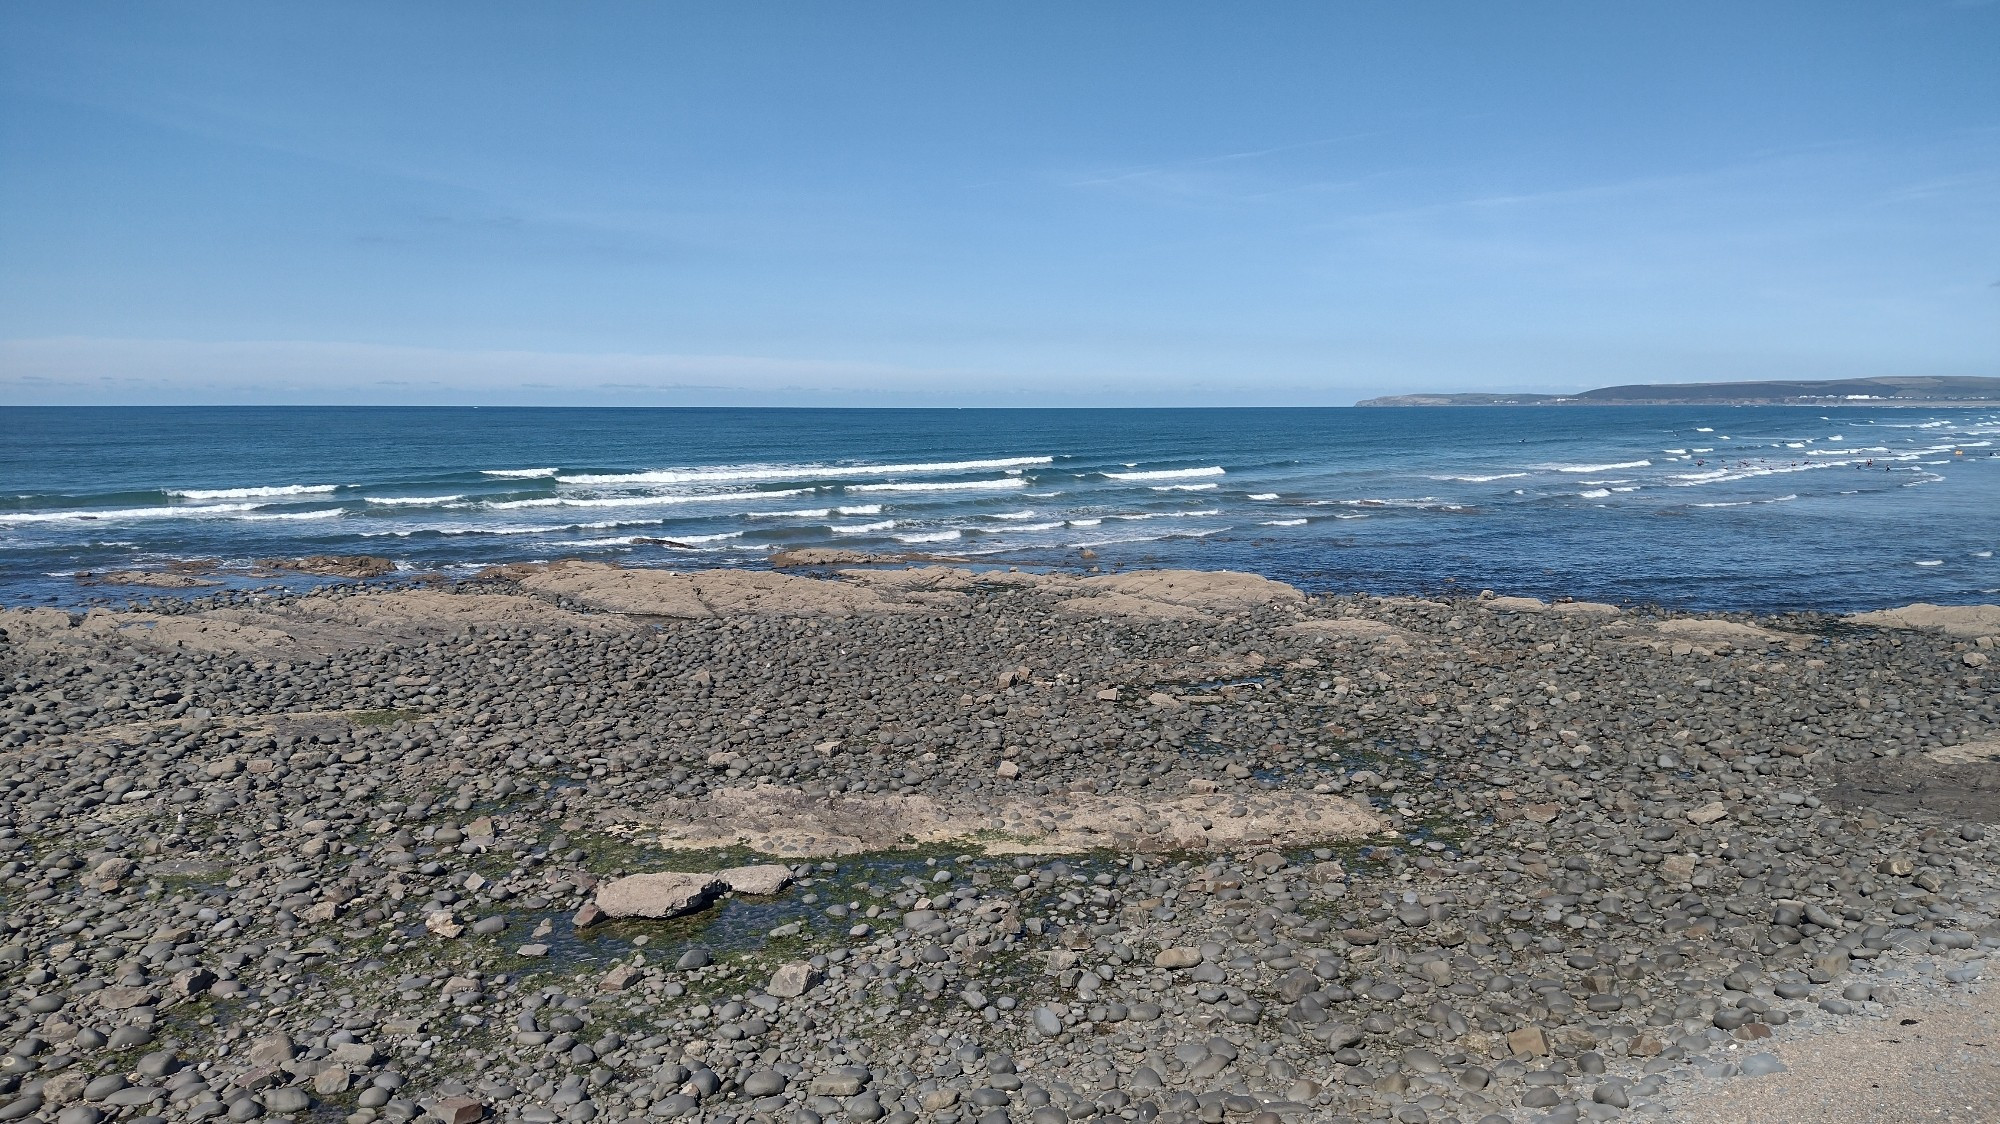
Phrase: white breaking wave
(793, 472)
(931, 536)
(1036, 526)
(1600, 467)
(1721, 475)
(817, 512)
(411, 501)
(1028, 514)
(1477, 479)
(1932, 562)
(120, 514)
(1283, 523)
(1419, 501)
(862, 528)
(1167, 473)
(327, 513)
(1264, 496)
(1595, 493)
(705, 538)
(519, 473)
(251, 493)
(461, 529)
(950, 486)
(642, 501)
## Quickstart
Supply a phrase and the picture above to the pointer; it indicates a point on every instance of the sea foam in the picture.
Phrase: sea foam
(1167, 473)
(1600, 467)
(1002, 483)
(265, 492)
(797, 472)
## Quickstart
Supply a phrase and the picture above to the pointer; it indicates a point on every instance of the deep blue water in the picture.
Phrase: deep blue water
(1711, 507)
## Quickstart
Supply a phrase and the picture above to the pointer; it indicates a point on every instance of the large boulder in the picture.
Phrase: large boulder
(657, 897)
(762, 880)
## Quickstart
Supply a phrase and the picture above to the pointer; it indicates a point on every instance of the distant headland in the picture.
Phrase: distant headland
(1965, 390)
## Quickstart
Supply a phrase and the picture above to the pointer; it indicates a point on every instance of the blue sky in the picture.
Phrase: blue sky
(1069, 204)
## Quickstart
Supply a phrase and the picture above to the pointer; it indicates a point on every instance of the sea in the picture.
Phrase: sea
(1838, 508)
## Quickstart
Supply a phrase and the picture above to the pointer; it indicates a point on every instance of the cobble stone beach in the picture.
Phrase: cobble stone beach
(845, 842)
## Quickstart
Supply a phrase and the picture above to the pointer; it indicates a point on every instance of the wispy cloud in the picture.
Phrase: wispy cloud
(1241, 176)
(1129, 175)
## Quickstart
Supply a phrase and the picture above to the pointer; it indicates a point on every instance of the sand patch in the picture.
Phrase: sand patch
(1966, 753)
(1929, 1060)
(776, 820)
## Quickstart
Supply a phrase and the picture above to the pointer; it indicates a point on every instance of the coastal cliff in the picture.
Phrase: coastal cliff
(1915, 391)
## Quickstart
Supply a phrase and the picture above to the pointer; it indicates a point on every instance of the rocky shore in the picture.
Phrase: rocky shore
(576, 843)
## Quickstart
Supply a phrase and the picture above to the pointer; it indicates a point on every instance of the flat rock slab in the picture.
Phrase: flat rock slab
(1537, 605)
(777, 820)
(1714, 633)
(307, 625)
(1359, 628)
(1124, 605)
(708, 593)
(1198, 589)
(1952, 620)
(154, 579)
